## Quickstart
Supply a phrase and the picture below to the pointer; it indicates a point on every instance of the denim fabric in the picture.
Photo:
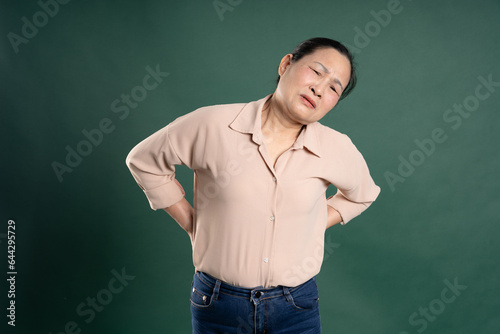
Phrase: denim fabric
(218, 307)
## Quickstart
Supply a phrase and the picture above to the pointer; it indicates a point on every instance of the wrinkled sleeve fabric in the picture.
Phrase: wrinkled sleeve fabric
(358, 190)
(152, 163)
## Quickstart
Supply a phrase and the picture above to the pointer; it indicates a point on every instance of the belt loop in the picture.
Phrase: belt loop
(216, 289)
(286, 292)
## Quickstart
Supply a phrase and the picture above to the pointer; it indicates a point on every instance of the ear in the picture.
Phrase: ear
(285, 62)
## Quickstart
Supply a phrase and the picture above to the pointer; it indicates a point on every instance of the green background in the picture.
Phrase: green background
(440, 224)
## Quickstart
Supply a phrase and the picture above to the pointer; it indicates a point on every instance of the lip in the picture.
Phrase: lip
(309, 101)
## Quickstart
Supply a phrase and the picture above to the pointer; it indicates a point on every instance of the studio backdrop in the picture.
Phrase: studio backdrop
(82, 82)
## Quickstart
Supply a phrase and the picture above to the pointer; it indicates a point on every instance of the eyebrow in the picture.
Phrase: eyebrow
(327, 71)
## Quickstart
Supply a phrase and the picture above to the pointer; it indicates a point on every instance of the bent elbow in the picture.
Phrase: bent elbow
(131, 158)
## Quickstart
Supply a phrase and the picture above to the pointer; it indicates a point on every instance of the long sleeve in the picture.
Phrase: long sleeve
(356, 193)
(152, 164)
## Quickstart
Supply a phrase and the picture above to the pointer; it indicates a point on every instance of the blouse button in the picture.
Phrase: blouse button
(271, 218)
(274, 179)
(266, 260)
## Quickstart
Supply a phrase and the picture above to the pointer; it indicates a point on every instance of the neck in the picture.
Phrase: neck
(276, 122)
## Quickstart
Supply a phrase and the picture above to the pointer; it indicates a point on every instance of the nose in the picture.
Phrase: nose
(316, 90)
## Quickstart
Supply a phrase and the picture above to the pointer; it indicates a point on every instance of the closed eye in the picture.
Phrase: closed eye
(314, 71)
(319, 74)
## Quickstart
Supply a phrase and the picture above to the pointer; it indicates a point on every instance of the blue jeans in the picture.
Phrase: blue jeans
(221, 308)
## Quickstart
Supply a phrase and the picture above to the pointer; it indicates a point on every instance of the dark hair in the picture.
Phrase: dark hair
(313, 44)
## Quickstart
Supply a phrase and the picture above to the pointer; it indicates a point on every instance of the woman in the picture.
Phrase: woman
(260, 212)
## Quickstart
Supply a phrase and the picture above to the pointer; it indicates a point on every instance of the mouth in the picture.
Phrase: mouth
(308, 101)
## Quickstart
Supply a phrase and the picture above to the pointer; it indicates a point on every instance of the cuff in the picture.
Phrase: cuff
(165, 195)
(346, 208)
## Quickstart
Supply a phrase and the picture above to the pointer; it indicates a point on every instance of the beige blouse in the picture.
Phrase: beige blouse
(254, 224)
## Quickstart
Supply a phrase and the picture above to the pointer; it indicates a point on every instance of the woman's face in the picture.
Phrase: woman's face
(309, 88)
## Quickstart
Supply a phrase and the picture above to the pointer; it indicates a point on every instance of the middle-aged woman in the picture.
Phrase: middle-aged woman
(259, 211)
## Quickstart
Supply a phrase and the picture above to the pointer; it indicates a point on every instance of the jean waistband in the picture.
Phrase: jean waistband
(246, 292)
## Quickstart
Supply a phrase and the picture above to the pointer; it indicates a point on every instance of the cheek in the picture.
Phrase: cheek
(304, 76)
(309, 76)
(333, 99)
(296, 82)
